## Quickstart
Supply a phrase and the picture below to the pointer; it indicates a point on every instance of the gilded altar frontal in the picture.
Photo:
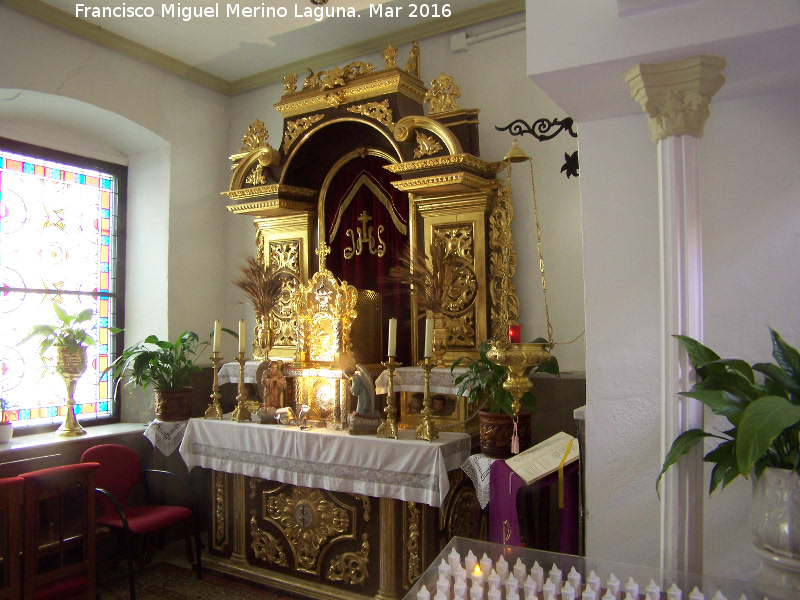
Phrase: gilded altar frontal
(373, 169)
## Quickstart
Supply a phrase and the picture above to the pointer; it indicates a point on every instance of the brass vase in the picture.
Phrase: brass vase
(262, 344)
(71, 365)
(439, 338)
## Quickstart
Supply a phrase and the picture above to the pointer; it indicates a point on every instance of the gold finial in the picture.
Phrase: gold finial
(390, 56)
(256, 137)
(412, 66)
(515, 154)
(289, 83)
(442, 94)
(322, 251)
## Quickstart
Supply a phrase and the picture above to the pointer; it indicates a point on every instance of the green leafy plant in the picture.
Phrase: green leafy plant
(483, 381)
(68, 333)
(763, 412)
(159, 363)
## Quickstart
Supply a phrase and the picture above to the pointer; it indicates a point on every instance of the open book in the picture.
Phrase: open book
(544, 458)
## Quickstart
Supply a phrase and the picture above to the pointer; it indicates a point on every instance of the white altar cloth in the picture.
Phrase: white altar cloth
(412, 379)
(405, 469)
(229, 372)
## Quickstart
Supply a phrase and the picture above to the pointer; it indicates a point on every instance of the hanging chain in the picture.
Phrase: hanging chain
(541, 258)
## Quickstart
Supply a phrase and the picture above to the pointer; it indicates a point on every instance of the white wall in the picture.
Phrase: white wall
(491, 76)
(172, 134)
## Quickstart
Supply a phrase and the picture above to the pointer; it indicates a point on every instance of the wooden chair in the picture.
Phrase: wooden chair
(10, 534)
(120, 471)
(59, 552)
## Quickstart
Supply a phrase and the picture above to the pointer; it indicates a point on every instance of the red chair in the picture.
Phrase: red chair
(60, 553)
(10, 534)
(120, 471)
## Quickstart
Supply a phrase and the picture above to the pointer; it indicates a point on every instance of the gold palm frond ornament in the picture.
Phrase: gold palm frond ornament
(262, 287)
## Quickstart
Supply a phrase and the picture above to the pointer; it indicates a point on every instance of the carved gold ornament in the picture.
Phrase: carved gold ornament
(390, 56)
(426, 146)
(379, 111)
(412, 66)
(284, 259)
(351, 567)
(256, 137)
(289, 83)
(412, 542)
(502, 266)
(256, 177)
(310, 519)
(442, 94)
(363, 237)
(220, 502)
(295, 128)
(336, 77)
(264, 544)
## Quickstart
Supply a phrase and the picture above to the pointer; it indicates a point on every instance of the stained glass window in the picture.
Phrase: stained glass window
(58, 244)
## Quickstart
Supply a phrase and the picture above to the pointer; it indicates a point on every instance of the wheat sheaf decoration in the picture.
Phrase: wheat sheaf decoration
(261, 286)
(437, 281)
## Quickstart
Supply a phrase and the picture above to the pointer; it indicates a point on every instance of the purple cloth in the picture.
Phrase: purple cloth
(504, 484)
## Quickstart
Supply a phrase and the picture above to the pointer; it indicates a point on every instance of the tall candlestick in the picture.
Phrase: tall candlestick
(241, 336)
(428, 338)
(217, 333)
(392, 337)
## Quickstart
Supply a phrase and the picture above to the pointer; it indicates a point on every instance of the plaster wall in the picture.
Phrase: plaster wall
(491, 76)
(750, 217)
(172, 134)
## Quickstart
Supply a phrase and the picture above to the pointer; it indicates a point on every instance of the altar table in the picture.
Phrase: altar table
(326, 514)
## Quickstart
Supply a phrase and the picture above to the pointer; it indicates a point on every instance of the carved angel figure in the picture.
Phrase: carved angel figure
(273, 383)
(362, 387)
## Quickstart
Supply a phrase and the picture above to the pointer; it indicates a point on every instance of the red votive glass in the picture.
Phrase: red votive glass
(515, 333)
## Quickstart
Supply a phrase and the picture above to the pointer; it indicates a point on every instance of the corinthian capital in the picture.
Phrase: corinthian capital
(675, 95)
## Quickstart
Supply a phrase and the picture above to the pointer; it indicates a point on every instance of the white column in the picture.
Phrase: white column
(675, 97)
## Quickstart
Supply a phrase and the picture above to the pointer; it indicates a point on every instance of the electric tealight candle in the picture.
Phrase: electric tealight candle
(469, 562)
(393, 352)
(460, 574)
(593, 581)
(454, 558)
(632, 588)
(629, 597)
(494, 579)
(440, 596)
(476, 591)
(537, 572)
(486, 564)
(674, 593)
(653, 591)
(429, 340)
(477, 576)
(444, 569)
(574, 579)
(589, 594)
(719, 596)
(567, 592)
(612, 585)
(696, 594)
(520, 570)
(217, 334)
(423, 594)
(555, 577)
(502, 567)
(609, 595)
(443, 585)
(494, 593)
(549, 588)
(512, 585)
(512, 596)
(241, 336)
(530, 588)
(460, 590)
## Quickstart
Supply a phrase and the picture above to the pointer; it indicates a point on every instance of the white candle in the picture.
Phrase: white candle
(719, 596)
(502, 567)
(653, 591)
(632, 588)
(486, 564)
(537, 572)
(241, 336)
(217, 332)
(696, 594)
(612, 585)
(494, 594)
(476, 591)
(567, 592)
(423, 594)
(460, 589)
(588, 594)
(512, 585)
(469, 562)
(555, 577)
(440, 596)
(494, 579)
(393, 348)
(460, 574)
(548, 589)
(477, 576)
(609, 595)
(444, 569)
(574, 579)
(443, 585)
(674, 593)
(530, 588)
(512, 596)
(428, 338)
(593, 581)
(519, 570)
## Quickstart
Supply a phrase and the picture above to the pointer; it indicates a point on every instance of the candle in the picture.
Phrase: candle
(674, 593)
(512, 596)
(440, 596)
(653, 591)
(502, 567)
(589, 594)
(548, 589)
(393, 349)
(555, 577)
(512, 585)
(613, 586)
(486, 564)
(574, 579)
(494, 579)
(537, 572)
(428, 338)
(460, 589)
(593, 581)
(567, 592)
(454, 558)
(519, 570)
(514, 333)
(444, 569)
(477, 576)
(476, 591)
(469, 562)
(696, 594)
(423, 594)
(241, 336)
(443, 585)
(632, 588)
(530, 588)
(217, 333)
(494, 593)
(460, 574)
(609, 595)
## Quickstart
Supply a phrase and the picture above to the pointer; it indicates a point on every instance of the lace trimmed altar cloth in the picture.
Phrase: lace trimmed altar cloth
(412, 379)
(405, 469)
(229, 372)
(165, 435)
(478, 469)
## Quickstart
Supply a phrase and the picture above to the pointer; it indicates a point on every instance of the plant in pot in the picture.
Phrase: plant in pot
(6, 428)
(70, 339)
(762, 405)
(166, 367)
(482, 382)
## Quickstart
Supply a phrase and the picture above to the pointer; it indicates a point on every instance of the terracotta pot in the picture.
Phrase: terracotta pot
(496, 430)
(174, 404)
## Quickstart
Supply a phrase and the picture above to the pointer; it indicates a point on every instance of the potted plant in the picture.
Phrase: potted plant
(166, 367)
(483, 382)
(764, 415)
(70, 339)
(6, 428)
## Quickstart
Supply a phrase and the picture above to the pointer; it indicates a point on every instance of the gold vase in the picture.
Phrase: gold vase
(71, 365)
(262, 343)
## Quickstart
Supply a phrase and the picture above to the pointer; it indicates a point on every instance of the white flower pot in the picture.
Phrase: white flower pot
(775, 514)
(6, 432)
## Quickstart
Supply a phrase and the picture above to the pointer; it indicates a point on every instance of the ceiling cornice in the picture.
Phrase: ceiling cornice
(63, 20)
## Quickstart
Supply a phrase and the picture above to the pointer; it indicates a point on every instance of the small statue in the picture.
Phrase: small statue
(412, 66)
(365, 419)
(273, 384)
(289, 83)
(390, 56)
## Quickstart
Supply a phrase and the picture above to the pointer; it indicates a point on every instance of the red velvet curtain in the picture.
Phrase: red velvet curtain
(361, 198)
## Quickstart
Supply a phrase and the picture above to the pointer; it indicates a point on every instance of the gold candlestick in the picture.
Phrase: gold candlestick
(241, 412)
(214, 410)
(388, 427)
(427, 430)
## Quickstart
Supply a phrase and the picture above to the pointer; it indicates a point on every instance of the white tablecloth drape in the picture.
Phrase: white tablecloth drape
(412, 379)
(165, 435)
(229, 372)
(405, 469)
(477, 468)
